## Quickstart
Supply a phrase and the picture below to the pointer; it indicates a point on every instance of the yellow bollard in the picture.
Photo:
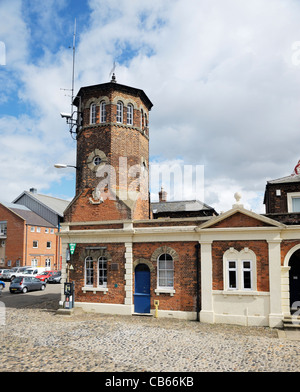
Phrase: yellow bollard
(156, 304)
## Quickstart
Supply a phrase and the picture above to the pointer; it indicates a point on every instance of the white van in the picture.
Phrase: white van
(34, 271)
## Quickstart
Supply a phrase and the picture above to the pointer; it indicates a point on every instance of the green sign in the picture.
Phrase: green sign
(72, 248)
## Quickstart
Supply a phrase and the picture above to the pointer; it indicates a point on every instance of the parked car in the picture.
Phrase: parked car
(23, 284)
(18, 272)
(55, 278)
(10, 274)
(44, 276)
(6, 276)
(3, 271)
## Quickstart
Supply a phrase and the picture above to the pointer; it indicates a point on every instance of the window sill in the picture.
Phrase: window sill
(164, 291)
(240, 293)
(94, 289)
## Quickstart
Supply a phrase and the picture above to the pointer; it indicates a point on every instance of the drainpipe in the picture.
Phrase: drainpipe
(197, 246)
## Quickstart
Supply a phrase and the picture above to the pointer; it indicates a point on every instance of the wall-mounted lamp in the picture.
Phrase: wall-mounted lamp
(63, 166)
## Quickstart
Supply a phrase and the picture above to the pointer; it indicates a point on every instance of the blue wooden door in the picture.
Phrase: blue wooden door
(142, 289)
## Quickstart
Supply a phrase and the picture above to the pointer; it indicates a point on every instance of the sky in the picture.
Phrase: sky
(223, 76)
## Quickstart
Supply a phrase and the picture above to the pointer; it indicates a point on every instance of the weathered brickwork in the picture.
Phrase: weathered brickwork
(118, 144)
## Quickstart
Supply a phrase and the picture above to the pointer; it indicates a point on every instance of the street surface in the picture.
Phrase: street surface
(32, 298)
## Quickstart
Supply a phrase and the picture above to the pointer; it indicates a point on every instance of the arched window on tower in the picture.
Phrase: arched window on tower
(102, 112)
(119, 112)
(93, 113)
(130, 114)
(142, 118)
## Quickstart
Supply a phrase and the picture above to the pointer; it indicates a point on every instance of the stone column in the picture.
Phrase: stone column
(129, 275)
(285, 290)
(275, 315)
(206, 313)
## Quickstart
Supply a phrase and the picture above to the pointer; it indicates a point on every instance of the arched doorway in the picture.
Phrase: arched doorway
(142, 289)
(294, 280)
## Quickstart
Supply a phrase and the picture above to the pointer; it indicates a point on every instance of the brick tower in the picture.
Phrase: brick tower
(112, 154)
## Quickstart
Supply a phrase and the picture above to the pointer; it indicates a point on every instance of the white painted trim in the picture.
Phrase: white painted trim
(94, 289)
(290, 197)
(105, 308)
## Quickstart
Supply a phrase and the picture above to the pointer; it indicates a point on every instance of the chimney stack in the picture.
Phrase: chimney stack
(162, 195)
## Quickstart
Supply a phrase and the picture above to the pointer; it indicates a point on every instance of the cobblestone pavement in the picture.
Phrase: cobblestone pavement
(38, 339)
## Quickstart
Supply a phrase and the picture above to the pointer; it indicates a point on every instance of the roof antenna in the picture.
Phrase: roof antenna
(71, 120)
(112, 73)
(73, 69)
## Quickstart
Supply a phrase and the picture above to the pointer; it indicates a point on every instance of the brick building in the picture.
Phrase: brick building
(28, 229)
(237, 267)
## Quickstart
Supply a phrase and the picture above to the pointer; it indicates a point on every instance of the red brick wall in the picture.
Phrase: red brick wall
(14, 244)
(286, 245)
(115, 279)
(240, 220)
(260, 248)
(42, 252)
(184, 298)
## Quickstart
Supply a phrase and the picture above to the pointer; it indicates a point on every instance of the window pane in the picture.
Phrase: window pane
(103, 112)
(247, 264)
(89, 271)
(232, 264)
(296, 204)
(102, 271)
(232, 279)
(247, 280)
(93, 114)
(165, 270)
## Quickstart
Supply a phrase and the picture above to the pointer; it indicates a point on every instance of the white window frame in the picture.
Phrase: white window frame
(229, 271)
(120, 112)
(160, 270)
(246, 255)
(47, 263)
(47, 231)
(88, 259)
(93, 113)
(130, 114)
(290, 197)
(102, 272)
(244, 270)
(34, 262)
(3, 228)
(32, 229)
(38, 229)
(49, 242)
(51, 231)
(37, 244)
(102, 111)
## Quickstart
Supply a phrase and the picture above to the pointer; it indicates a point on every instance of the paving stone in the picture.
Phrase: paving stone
(39, 339)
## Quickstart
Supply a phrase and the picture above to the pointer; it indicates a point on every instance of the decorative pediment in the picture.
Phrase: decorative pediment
(240, 217)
